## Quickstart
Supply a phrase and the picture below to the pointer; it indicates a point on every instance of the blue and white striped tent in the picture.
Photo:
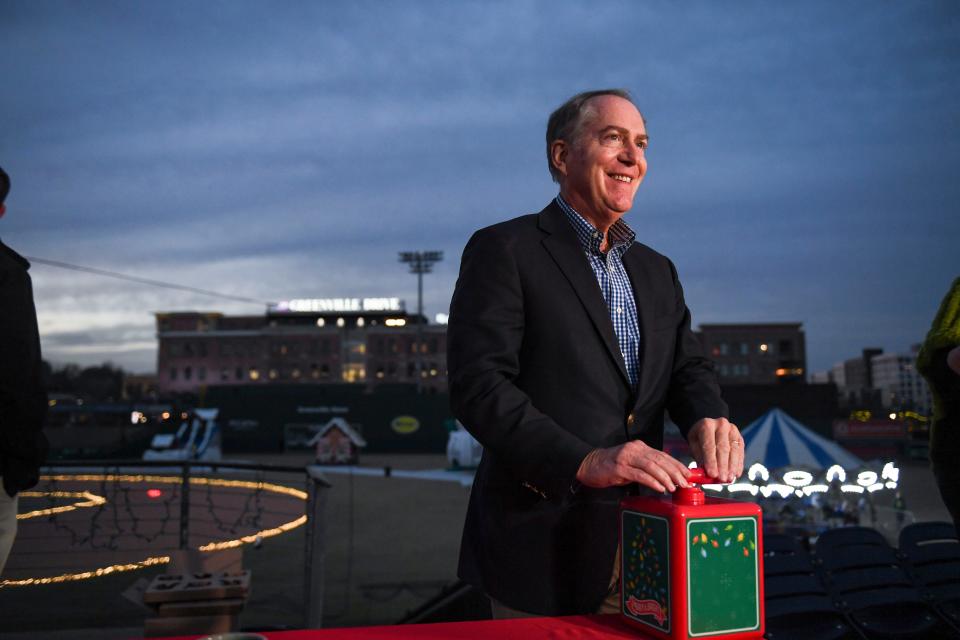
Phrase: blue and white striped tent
(776, 439)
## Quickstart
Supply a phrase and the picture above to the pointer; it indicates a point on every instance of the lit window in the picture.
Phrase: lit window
(359, 322)
(254, 374)
(321, 322)
(340, 322)
(273, 374)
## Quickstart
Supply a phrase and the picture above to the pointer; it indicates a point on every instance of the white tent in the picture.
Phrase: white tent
(776, 439)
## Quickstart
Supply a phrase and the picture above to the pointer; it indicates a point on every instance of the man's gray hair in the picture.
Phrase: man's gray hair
(566, 121)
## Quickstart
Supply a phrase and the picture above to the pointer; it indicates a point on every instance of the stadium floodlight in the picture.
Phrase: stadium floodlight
(420, 262)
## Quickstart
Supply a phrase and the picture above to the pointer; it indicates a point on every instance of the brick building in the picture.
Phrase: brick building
(756, 353)
(348, 340)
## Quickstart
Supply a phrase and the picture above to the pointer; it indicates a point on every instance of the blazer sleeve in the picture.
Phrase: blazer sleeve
(484, 359)
(23, 400)
(693, 392)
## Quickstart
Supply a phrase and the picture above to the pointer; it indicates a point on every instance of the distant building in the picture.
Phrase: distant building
(139, 387)
(880, 382)
(769, 353)
(346, 340)
(900, 385)
(856, 386)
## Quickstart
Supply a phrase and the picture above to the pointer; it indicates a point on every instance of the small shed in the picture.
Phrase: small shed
(337, 443)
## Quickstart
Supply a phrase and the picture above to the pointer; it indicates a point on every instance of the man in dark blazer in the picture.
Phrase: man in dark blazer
(23, 401)
(567, 342)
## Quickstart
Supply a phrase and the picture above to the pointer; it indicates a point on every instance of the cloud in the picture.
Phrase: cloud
(291, 150)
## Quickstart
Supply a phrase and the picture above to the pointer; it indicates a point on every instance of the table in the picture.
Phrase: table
(592, 627)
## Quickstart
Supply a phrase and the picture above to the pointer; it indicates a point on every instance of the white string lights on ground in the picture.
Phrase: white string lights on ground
(95, 500)
(801, 482)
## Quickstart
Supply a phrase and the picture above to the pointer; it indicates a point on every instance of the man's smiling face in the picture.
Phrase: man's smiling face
(603, 166)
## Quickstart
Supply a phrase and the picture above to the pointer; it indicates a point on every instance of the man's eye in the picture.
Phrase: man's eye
(642, 143)
(612, 137)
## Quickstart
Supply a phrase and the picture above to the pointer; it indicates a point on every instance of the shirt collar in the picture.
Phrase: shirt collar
(620, 235)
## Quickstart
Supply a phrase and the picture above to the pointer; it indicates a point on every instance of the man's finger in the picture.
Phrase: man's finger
(642, 477)
(738, 451)
(736, 464)
(677, 470)
(723, 455)
(709, 452)
(652, 463)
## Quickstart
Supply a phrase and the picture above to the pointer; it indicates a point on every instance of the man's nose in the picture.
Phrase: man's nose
(631, 153)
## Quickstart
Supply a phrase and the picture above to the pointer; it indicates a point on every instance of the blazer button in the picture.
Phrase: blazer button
(630, 420)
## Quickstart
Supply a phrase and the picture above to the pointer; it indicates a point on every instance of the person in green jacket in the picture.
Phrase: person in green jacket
(939, 362)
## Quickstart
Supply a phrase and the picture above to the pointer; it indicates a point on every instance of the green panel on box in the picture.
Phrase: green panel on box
(646, 570)
(722, 586)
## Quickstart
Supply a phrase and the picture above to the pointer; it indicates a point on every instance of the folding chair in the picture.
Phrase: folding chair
(864, 575)
(932, 553)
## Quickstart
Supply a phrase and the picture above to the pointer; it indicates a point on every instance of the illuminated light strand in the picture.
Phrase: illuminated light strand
(86, 575)
(890, 472)
(838, 472)
(266, 533)
(93, 500)
(215, 482)
(155, 560)
(867, 478)
(799, 482)
(757, 469)
(741, 487)
(798, 478)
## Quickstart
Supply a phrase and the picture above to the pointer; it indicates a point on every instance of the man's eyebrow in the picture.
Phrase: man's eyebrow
(622, 130)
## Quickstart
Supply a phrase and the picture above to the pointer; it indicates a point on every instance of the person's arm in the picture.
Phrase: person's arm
(696, 405)
(484, 337)
(23, 401)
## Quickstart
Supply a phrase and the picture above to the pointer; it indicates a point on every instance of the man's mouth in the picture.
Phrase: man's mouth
(621, 177)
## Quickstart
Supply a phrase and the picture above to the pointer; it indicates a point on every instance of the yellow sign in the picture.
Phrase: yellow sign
(405, 424)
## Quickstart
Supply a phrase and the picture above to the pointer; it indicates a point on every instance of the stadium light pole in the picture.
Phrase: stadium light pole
(420, 262)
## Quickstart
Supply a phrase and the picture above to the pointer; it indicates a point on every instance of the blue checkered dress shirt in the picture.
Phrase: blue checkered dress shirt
(613, 280)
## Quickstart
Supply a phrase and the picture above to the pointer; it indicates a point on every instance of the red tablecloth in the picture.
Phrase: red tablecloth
(594, 627)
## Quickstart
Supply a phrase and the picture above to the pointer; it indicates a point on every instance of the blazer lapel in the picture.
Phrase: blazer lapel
(565, 249)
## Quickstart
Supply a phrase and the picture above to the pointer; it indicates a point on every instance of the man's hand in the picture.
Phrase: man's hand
(718, 448)
(634, 461)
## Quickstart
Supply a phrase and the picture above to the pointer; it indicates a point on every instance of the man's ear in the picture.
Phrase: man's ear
(558, 156)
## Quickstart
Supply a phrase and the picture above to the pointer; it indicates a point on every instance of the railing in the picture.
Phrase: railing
(216, 505)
